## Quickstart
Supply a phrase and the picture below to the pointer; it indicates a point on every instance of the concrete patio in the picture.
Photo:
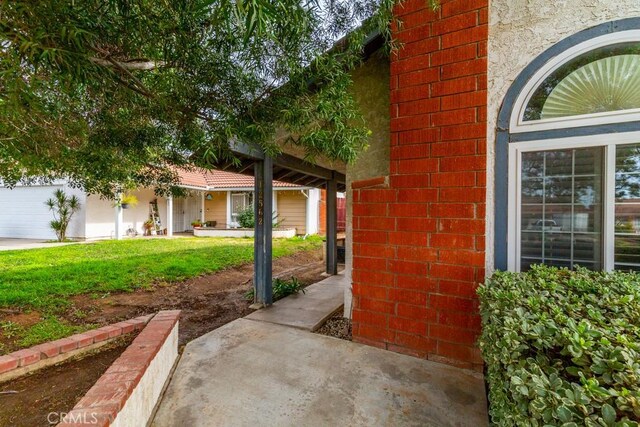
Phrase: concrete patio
(265, 370)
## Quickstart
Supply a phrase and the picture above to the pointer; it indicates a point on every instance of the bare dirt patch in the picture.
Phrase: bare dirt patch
(207, 302)
(38, 399)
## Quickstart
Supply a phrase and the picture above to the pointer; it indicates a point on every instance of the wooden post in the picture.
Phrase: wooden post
(170, 216)
(119, 220)
(332, 227)
(263, 211)
(202, 207)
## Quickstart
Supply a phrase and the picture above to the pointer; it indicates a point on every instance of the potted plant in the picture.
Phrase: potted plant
(128, 200)
(148, 226)
(196, 224)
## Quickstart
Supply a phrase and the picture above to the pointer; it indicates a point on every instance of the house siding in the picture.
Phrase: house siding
(25, 215)
(419, 234)
(292, 210)
(216, 208)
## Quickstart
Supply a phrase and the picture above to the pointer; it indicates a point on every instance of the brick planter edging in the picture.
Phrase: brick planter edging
(126, 394)
(20, 362)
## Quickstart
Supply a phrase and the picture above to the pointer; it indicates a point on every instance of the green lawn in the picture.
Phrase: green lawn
(43, 278)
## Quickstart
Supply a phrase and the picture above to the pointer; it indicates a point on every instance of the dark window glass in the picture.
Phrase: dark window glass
(627, 214)
(561, 208)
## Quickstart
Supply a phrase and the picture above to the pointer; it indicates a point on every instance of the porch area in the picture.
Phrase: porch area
(270, 369)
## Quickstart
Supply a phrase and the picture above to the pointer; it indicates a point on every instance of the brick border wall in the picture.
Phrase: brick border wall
(126, 394)
(418, 243)
(40, 356)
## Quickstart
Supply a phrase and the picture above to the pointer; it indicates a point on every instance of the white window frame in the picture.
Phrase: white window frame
(517, 123)
(609, 142)
(247, 195)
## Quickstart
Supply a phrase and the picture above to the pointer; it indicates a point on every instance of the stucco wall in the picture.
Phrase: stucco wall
(519, 31)
(100, 214)
(371, 90)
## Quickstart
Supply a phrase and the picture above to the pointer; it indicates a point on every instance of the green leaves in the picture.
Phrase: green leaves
(562, 347)
(108, 93)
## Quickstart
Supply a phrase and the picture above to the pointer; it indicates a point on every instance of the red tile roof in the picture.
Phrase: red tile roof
(216, 179)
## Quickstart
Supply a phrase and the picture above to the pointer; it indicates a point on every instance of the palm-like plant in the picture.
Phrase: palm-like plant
(63, 208)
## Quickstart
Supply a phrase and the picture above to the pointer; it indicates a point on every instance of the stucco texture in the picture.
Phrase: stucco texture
(519, 31)
(371, 91)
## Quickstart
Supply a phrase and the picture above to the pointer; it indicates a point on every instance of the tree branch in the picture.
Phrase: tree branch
(141, 65)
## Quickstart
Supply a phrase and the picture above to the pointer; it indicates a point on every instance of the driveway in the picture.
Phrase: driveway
(7, 244)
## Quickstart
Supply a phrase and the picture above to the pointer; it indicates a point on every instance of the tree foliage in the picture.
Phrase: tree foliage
(108, 93)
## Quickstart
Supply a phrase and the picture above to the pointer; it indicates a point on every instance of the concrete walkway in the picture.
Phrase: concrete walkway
(9, 244)
(268, 373)
(308, 310)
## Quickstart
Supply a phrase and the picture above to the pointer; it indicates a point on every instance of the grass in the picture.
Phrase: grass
(49, 329)
(44, 279)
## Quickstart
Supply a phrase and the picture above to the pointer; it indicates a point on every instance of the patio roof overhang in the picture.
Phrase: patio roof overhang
(287, 168)
(290, 167)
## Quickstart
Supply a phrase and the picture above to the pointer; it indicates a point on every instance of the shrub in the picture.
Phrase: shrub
(63, 208)
(281, 288)
(246, 218)
(562, 347)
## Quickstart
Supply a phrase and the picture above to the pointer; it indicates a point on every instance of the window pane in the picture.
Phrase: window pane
(627, 218)
(561, 211)
(605, 79)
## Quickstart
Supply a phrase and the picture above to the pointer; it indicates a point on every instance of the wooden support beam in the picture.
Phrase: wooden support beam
(263, 212)
(283, 174)
(287, 161)
(332, 227)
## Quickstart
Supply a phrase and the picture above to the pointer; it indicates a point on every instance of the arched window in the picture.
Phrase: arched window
(568, 159)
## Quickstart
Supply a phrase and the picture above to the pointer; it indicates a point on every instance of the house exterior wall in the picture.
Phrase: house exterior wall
(216, 208)
(371, 91)
(519, 31)
(101, 217)
(312, 211)
(419, 234)
(23, 213)
(292, 210)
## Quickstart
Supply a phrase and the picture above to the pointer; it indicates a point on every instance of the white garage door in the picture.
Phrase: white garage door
(23, 213)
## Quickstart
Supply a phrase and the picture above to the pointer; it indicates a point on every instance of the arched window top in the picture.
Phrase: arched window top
(600, 81)
(595, 82)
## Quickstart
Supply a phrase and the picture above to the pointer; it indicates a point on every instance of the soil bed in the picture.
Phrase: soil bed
(207, 302)
(337, 326)
(39, 398)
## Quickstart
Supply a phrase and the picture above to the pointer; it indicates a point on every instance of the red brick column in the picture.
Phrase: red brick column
(418, 240)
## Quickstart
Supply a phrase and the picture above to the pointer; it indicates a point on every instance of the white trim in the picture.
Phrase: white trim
(202, 206)
(228, 224)
(193, 187)
(518, 125)
(608, 197)
(251, 189)
(609, 207)
(170, 216)
(274, 201)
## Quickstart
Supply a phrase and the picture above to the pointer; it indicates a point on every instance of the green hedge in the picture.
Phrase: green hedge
(562, 347)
